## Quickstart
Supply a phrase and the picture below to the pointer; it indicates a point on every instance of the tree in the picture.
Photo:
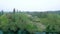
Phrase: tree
(1, 13)
(4, 23)
(14, 10)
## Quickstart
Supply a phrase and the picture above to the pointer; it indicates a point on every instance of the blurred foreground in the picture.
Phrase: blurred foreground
(30, 22)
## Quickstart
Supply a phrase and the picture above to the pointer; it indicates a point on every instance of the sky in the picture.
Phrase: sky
(30, 5)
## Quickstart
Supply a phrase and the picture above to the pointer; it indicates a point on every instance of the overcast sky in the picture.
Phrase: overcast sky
(30, 5)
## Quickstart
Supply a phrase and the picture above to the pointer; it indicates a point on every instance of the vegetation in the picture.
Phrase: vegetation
(30, 21)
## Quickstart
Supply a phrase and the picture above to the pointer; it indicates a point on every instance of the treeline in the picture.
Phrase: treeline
(13, 22)
(30, 22)
(51, 19)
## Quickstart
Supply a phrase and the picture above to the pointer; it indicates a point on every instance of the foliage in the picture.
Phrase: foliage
(36, 21)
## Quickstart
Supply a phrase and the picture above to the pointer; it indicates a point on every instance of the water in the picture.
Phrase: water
(1, 32)
(39, 33)
(20, 32)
